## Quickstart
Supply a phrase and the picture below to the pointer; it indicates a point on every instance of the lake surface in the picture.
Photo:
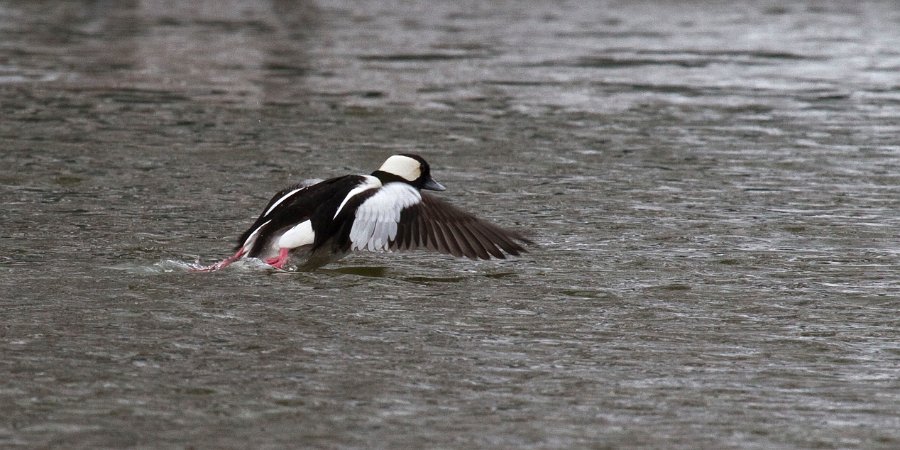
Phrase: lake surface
(714, 190)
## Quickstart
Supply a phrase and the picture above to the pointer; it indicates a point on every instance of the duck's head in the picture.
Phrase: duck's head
(408, 168)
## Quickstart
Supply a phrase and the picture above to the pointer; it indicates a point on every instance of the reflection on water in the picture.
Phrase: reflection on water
(714, 190)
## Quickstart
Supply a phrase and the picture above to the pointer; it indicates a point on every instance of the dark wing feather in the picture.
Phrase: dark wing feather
(439, 226)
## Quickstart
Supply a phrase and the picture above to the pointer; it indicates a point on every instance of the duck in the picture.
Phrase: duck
(317, 222)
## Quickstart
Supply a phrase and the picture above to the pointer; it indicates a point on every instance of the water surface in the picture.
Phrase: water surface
(714, 190)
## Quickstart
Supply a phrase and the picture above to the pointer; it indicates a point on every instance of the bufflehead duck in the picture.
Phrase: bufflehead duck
(321, 221)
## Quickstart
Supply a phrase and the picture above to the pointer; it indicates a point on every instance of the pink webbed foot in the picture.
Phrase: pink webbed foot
(221, 264)
(279, 261)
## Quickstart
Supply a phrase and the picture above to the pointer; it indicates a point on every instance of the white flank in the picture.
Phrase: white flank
(402, 166)
(248, 243)
(370, 182)
(375, 225)
(298, 236)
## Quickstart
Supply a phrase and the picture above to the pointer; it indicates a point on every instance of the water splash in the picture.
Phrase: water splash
(176, 265)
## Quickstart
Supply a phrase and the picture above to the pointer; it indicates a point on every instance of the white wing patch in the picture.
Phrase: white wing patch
(375, 225)
(370, 182)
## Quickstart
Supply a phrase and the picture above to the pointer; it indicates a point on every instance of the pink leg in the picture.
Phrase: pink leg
(221, 264)
(279, 261)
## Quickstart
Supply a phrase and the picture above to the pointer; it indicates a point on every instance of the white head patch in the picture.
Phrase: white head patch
(403, 166)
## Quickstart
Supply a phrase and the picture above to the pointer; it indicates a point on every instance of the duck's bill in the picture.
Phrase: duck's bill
(433, 185)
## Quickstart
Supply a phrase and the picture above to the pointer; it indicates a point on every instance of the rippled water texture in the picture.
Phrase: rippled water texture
(714, 190)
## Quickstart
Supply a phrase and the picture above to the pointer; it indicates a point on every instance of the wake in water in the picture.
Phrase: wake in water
(173, 265)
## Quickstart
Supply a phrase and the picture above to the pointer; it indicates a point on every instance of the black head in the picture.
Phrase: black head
(408, 168)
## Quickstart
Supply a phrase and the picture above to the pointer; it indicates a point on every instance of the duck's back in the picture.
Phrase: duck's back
(294, 205)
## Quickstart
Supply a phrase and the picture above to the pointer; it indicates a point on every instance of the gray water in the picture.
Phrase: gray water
(714, 190)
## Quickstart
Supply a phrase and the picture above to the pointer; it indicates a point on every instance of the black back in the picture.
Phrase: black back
(318, 202)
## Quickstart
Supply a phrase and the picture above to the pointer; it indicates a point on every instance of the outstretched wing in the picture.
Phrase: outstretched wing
(376, 220)
(399, 217)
